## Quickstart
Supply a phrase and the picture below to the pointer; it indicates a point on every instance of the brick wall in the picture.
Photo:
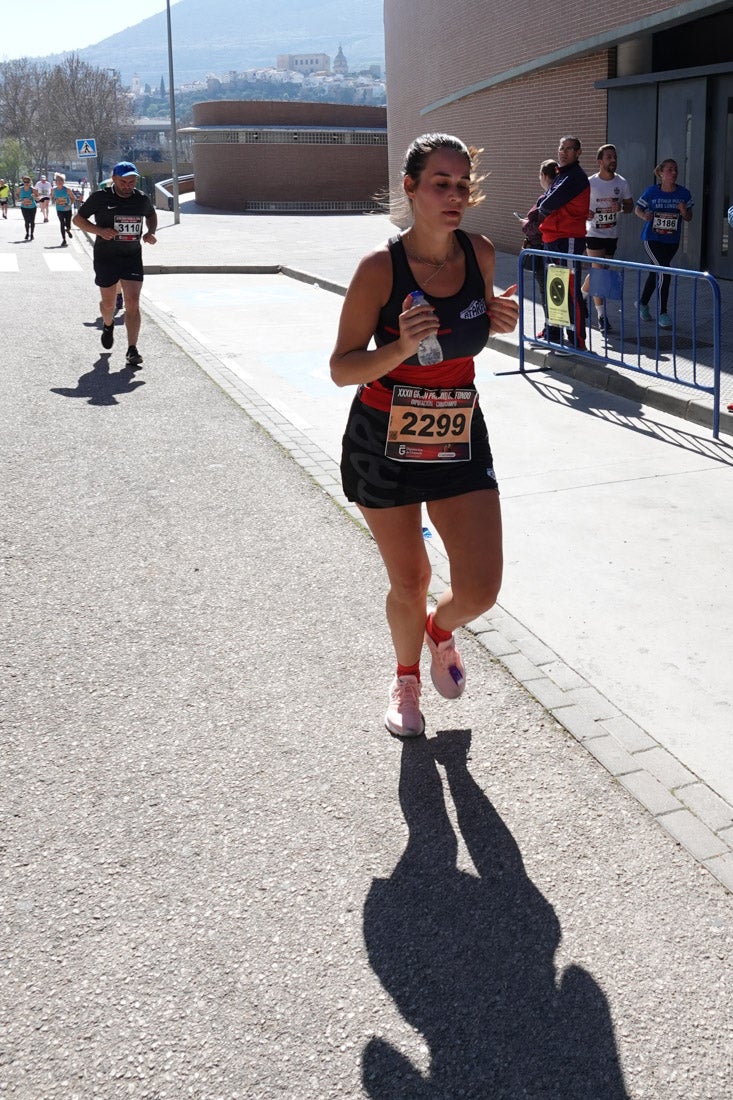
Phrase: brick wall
(230, 176)
(432, 53)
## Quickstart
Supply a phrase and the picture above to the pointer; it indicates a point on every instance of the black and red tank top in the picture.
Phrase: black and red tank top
(463, 331)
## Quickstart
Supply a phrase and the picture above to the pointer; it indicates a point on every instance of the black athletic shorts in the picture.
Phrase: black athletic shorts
(606, 245)
(371, 479)
(108, 270)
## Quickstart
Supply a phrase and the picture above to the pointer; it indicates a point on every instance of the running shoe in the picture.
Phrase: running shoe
(64, 244)
(403, 717)
(604, 325)
(118, 302)
(644, 312)
(108, 336)
(69, 234)
(446, 668)
(664, 321)
(133, 357)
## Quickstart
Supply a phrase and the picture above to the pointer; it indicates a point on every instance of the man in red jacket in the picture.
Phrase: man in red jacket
(564, 210)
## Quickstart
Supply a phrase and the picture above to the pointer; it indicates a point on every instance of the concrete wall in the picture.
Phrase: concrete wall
(244, 112)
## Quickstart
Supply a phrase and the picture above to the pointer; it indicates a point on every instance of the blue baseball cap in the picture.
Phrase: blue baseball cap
(125, 168)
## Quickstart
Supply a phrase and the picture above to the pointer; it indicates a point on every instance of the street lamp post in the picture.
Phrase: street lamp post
(116, 76)
(174, 134)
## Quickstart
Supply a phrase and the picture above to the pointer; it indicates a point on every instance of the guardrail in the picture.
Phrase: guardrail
(687, 353)
(164, 194)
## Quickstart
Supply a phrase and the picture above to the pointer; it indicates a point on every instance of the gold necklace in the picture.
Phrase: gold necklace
(432, 263)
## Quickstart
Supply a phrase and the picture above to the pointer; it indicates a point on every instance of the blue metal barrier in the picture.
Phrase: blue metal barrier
(687, 354)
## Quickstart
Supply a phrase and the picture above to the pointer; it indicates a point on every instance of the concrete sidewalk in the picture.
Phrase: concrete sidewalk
(328, 249)
(221, 877)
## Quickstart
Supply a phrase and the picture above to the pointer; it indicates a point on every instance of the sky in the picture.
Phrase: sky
(50, 27)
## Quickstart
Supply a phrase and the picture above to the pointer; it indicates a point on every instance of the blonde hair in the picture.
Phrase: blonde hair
(660, 167)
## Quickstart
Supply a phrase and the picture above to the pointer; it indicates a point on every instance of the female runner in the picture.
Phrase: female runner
(416, 433)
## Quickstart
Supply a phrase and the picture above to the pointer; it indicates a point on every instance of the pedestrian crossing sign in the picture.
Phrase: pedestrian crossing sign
(86, 147)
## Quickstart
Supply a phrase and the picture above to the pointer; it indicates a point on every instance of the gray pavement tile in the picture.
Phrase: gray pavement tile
(565, 677)
(665, 767)
(496, 643)
(613, 757)
(628, 734)
(549, 694)
(650, 792)
(692, 834)
(591, 700)
(579, 722)
(712, 810)
(722, 867)
(522, 668)
(538, 653)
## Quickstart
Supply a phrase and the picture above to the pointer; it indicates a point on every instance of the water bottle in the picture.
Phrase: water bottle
(429, 351)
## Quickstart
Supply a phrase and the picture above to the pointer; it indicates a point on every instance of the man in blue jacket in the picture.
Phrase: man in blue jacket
(564, 210)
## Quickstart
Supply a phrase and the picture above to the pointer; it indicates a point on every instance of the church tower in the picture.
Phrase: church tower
(340, 65)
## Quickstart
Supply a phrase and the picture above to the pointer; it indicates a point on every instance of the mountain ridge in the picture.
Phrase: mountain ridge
(217, 36)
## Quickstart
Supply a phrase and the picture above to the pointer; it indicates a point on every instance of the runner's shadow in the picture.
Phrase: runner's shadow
(100, 387)
(469, 958)
(118, 319)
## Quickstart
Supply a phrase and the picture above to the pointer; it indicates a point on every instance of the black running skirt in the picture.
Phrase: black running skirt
(371, 479)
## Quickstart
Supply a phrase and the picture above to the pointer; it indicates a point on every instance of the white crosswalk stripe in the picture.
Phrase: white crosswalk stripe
(57, 262)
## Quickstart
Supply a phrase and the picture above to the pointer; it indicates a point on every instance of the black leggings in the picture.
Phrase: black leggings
(662, 255)
(65, 222)
(29, 217)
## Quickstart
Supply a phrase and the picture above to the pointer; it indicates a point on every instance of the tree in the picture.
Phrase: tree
(12, 159)
(47, 109)
(162, 88)
(87, 102)
(23, 113)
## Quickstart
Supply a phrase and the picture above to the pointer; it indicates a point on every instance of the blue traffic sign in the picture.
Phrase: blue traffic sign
(86, 147)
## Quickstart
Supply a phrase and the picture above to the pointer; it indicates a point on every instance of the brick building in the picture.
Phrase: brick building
(654, 79)
(287, 157)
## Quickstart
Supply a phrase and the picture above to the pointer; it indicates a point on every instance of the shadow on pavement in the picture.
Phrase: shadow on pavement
(635, 417)
(468, 959)
(100, 387)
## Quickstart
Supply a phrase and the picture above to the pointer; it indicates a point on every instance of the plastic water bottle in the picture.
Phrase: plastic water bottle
(429, 350)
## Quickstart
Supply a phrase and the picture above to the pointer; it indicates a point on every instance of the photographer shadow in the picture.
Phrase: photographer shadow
(469, 959)
(99, 386)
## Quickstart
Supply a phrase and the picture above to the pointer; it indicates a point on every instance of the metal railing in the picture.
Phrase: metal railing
(686, 353)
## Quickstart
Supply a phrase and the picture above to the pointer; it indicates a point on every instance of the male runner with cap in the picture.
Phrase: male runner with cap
(118, 214)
